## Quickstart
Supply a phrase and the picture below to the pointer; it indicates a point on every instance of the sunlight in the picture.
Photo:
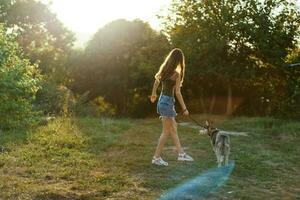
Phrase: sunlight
(87, 16)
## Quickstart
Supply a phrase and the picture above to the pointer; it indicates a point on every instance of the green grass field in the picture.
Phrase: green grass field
(90, 158)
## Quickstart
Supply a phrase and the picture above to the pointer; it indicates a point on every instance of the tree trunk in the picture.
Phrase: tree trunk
(229, 100)
(203, 105)
(212, 103)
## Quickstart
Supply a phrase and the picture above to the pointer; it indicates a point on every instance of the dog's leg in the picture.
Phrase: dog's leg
(226, 159)
(221, 154)
(217, 157)
(227, 149)
(219, 160)
(222, 160)
(217, 151)
(227, 155)
(219, 163)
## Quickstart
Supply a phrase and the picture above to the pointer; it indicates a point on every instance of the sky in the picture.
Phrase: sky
(85, 17)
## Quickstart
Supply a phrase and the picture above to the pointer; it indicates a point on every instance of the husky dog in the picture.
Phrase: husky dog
(220, 142)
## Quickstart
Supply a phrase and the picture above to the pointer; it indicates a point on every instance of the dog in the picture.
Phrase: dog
(220, 142)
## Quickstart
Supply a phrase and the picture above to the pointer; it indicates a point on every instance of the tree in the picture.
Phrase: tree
(120, 62)
(42, 36)
(19, 82)
(289, 106)
(45, 41)
(232, 42)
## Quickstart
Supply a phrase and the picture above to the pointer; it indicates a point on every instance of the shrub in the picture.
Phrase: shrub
(55, 99)
(19, 82)
(96, 107)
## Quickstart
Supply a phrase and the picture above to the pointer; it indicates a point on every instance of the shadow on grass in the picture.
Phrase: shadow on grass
(101, 133)
(89, 158)
(54, 196)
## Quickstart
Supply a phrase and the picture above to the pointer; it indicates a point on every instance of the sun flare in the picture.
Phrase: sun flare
(87, 16)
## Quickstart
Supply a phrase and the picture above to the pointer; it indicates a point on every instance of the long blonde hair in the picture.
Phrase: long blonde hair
(170, 64)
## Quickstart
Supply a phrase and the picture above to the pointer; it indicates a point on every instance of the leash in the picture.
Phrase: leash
(195, 121)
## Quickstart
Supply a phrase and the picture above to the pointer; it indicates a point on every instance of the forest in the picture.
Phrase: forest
(76, 122)
(239, 61)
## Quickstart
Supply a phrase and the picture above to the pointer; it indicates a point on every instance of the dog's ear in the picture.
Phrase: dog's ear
(207, 123)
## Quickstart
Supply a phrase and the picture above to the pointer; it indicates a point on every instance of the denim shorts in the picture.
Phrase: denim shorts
(166, 106)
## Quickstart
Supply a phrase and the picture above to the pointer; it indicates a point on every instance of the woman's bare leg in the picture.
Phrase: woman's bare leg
(163, 137)
(174, 135)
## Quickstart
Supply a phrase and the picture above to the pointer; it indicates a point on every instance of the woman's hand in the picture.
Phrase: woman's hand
(185, 112)
(153, 98)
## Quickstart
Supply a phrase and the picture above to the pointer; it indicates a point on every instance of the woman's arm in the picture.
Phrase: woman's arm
(179, 95)
(153, 95)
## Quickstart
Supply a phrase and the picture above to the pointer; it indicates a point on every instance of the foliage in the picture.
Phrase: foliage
(56, 99)
(120, 67)
(235, 42)
(102, 107)
(19, 82)
(232, 47)
(291, 103)
(45, 41)
(42, 36)
(97, 107)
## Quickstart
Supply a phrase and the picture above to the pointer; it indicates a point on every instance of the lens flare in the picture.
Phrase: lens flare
(201, 185)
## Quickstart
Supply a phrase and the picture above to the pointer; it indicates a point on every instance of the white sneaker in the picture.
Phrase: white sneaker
(185, 157)
(159, 161)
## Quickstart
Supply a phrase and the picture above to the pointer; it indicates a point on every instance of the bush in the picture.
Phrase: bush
(55, 99)
(19, 82)
(96, 107)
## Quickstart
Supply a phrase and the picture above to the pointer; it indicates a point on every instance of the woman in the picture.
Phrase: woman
(171, 74)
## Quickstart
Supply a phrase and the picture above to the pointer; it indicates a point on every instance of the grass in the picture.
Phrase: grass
(90, 158)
